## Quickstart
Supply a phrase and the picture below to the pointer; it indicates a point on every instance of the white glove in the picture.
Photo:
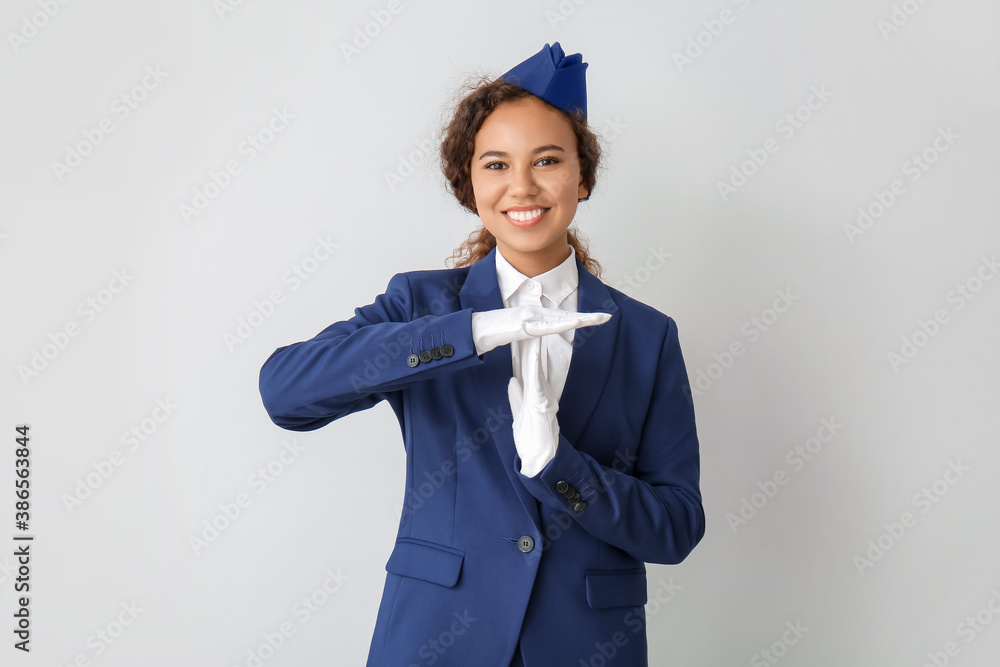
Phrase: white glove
(493, 328)
(534, 408)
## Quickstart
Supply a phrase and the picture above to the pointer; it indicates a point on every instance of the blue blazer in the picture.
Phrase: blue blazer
(486, 557)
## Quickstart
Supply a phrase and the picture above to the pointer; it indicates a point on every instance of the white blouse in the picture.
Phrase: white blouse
(556, 288)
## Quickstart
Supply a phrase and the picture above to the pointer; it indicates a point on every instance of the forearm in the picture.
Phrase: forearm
(653, 522)
(648, 502)
(353, 364)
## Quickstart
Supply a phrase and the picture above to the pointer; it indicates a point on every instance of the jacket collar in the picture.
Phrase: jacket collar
(593, 349)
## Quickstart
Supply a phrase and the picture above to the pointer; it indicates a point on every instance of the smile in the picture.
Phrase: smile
(525, 218)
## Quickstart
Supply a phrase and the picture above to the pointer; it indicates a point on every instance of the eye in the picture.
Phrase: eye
(543, 162)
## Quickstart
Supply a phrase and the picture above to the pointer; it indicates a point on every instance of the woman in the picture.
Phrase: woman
(549, 432)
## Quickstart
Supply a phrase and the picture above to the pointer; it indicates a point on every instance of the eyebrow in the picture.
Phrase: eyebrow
(540, 149)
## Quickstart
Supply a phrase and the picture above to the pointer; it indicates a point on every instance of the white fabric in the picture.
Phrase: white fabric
(556, 288)
(534, 408)
(536, 428)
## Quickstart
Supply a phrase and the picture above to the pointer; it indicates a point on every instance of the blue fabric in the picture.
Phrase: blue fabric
(550, 74)
(458, 590)
(517, 661)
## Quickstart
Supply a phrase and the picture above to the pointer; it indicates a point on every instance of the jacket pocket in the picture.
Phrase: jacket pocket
(616, 588)
(424, 560)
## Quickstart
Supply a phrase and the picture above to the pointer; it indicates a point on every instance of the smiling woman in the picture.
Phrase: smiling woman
(526, 191)
(501, 127)
(550, 440)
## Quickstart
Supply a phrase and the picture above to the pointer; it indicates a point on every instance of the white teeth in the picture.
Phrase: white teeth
(523, 216)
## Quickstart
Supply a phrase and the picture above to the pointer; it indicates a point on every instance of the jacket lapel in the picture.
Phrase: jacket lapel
(588, 370)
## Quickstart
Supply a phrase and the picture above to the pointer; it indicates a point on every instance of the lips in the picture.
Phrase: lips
(524, 217)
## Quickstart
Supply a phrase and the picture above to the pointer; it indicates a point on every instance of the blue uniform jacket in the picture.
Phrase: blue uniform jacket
(484, 555)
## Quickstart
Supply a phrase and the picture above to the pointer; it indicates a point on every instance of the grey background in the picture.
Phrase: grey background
(672, 134)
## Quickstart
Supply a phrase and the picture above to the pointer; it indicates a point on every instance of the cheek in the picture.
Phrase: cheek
(483, 192)
(474, 189)
(563, 183)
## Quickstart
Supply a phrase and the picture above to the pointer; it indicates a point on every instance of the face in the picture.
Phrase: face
(526, 180)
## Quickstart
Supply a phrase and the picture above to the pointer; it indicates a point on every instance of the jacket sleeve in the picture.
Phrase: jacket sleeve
(652, 509)
(354, 364)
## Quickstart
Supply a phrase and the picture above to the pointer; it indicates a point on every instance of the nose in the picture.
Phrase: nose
(522, 182)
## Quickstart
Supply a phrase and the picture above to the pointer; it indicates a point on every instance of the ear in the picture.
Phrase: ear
(582, 191)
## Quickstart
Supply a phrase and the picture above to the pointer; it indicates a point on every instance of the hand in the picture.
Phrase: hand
(534, 408)
(493, 328)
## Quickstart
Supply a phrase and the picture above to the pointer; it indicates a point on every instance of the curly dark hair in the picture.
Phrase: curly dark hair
(485, 95)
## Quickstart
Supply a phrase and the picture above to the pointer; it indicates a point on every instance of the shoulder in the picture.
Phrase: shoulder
(637, 314)
(648, 329)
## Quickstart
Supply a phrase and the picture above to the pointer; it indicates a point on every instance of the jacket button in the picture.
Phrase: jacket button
(562, 487)
(425, 356)
(579, 506)
(412, 360)
(526, 544)
(436, 353)
(447, 350)
(575, 498)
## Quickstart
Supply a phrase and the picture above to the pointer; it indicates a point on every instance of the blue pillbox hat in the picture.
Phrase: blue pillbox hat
(553, 76)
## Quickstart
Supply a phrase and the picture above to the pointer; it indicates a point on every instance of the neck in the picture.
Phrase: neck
(538, 262)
